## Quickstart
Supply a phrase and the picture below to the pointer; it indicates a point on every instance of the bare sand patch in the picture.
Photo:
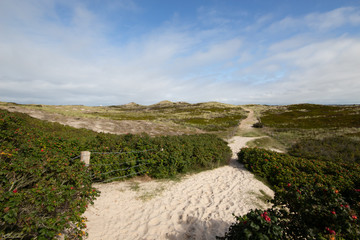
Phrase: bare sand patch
(107, 125)
(200, 206)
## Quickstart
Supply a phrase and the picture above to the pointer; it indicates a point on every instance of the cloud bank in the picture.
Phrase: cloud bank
(60, 52)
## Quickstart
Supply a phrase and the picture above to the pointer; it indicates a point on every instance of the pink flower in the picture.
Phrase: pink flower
(330, 231)
(354, 217)
(333, 212)
(15, 191)
(289, 185)
(266, 217)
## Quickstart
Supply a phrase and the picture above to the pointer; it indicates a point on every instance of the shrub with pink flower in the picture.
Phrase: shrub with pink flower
(266, 217)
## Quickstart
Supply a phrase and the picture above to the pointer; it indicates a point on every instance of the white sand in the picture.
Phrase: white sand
(198, 207)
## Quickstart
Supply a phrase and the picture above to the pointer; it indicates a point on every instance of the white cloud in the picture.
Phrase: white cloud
(324, 72)
(333, 19)
(46, 60)
(319, 21)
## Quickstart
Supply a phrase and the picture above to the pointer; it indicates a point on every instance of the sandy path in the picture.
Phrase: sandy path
(200, 206)
(247, 123)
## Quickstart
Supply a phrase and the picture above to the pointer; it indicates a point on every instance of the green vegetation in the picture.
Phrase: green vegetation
(205, 116)
(147, 195)
(213, 124)
(168, 155)
(258, 125)
(210, 117)
(317, 184)
(280, 169)
(314, 198)
(254, 132)
(330, 149)
(45, 188)
(293, 123)
(266, 143)
(310, 116)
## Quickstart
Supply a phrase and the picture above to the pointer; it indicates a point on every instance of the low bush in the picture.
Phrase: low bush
(314, 199)
(312, 116)
(258, 125)
(45, 188)
(308, 212)
(331, 149)
(257, 224)
(158, 157)
(280, 169)
(43, 191)
(213, 124)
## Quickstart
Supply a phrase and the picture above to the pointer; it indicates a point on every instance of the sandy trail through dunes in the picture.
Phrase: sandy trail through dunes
(200, 206)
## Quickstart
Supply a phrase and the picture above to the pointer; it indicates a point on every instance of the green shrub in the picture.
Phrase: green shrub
(331, 149)
(168, 155)
(43, 191)
(317, 211)
(308, 212)
(279, 169)
(45, 188)
(314, 199)
(258, 125)
(312, 116)
(257, 224)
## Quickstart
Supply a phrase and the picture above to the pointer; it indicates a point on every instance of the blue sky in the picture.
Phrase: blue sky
(96, 52)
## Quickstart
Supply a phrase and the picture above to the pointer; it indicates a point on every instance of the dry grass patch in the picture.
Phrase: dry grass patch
(164, 118)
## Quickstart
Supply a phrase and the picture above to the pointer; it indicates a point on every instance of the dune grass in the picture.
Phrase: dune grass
(294, 123)
(209, 117)
(267, 143)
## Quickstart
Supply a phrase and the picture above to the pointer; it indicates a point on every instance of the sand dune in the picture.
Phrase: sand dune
(200, 206)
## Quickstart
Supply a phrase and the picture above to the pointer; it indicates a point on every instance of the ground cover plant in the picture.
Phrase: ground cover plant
(43, 191)
(314, 198)
(163, 156)
(209, 117)
(310, 116)
(206, 116)
(45, 188)
(341, 148)
(293, 123)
